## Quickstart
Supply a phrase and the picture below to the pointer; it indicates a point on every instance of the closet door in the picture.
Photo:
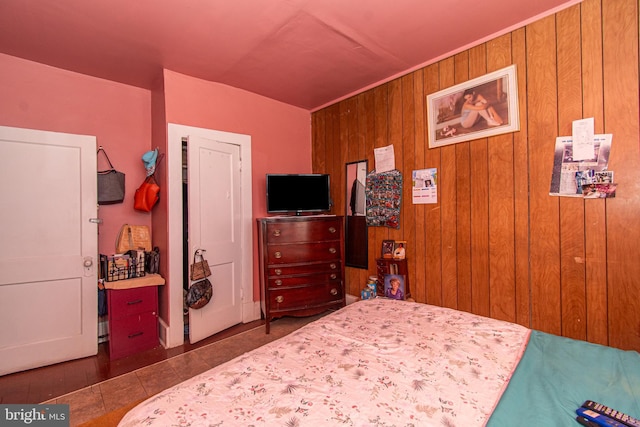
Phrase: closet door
(215, 225)
(48, 250)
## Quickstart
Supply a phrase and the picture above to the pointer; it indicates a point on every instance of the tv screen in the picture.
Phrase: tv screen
(288, 193)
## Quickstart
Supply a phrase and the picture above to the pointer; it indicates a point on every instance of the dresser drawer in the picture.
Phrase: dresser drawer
(126, 302)
(301, 298)
(133, 334)
(304, 280)
(301, 265)
(310, 268)
(304, 231)
(290, 253)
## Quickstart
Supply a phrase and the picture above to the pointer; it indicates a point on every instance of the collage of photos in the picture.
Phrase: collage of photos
(595, 184)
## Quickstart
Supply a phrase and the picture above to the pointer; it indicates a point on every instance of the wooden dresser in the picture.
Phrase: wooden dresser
(301, 265)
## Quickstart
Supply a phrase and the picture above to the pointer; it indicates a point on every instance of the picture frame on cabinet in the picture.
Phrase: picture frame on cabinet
(394, 287)
(478, 108)
(387, 248)
(399, 249)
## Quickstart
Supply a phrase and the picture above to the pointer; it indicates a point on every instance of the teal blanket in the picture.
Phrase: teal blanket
(556, 375)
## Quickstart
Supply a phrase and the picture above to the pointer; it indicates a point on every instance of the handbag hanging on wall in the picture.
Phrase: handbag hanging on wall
(146, 195)
(199, 294)
(110, 183)
(199, 269)
(133, 237)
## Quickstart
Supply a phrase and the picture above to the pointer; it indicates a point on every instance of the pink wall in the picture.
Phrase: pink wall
(280, 133)
(37, 96)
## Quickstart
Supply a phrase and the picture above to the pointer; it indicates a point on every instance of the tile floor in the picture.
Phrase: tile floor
(96, 400)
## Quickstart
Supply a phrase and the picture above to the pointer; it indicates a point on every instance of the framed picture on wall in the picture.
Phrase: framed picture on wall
(481, 107)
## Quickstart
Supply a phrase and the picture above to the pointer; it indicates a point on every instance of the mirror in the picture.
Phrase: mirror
(355, 239)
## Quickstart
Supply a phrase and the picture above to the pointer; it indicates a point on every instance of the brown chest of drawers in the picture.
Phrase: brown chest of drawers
(301, 265)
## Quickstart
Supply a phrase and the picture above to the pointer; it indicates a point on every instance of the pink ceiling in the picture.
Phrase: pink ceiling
(307, 53)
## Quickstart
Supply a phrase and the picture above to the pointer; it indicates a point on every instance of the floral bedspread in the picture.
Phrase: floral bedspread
(377, 362)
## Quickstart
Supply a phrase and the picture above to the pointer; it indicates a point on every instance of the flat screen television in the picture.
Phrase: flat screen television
(297, 193)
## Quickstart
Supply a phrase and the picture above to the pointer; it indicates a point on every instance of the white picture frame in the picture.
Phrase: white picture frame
(495, 97)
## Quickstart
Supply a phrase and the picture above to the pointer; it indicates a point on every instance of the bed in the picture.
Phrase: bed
(383, 362)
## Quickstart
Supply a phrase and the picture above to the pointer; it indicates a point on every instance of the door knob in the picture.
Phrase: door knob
(87, 263)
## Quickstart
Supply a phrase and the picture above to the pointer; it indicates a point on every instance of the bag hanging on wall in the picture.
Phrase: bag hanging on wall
(199, 294)
(147, 195)
(152, 261)
(110, 183)
(199, 269)
(133, 237)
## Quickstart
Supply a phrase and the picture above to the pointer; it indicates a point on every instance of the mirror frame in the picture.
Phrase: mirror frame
(356, 241)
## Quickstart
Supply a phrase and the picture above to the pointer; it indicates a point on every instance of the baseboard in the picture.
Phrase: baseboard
(251, 311)
(351, 299)
(103, 331)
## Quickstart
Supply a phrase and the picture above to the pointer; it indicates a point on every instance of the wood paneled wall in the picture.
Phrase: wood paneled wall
(496, 243)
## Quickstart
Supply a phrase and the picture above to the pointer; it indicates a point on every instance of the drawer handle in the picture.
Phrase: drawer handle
(334, 291)
(278, 271)
(137, 334)
(333, 266)
(279, 298)
(278, 282)
(332, 250)
(332, 230)
(333, 276)
(276, 232)
(138, 301)
(278, 254)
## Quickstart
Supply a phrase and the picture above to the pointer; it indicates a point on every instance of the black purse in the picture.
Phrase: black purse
(152, 261)
(110, 183)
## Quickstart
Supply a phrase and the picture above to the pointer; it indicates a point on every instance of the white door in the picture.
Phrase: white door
(215, 224)
(48, 248)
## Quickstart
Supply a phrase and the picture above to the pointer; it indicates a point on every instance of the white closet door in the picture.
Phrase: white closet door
(215, 225)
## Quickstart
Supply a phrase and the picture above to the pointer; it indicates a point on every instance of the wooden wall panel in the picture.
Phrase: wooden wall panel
(367, 101)
(521, 185)
(419, 264)
(544, 249)
(501, 194)
(595, 214)
(448, 196)
(620, 33)
(496, 243)
(349, 135)
(433, 212)
(394, 125)
(572, 248)
(463, 203)
(479, 186)
(408, 218)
